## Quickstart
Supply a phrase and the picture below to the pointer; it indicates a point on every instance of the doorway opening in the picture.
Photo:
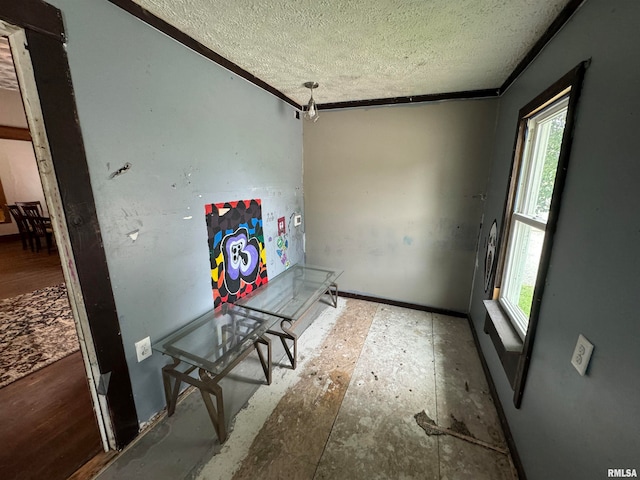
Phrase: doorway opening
(47, 411)
(36, 36)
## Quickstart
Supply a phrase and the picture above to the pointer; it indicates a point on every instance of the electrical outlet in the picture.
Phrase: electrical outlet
(297, 220)
(143, 349)
(582, 354)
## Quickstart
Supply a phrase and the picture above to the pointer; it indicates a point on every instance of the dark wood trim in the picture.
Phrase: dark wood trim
(15, 133)
(573, 79)
(34, 15)
(53, 79)
(436, 97)
(149, 18)
(562, 18)
(397, 303)
(552, 92)
(517, 462)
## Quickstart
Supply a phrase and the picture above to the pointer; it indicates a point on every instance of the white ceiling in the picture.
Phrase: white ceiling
(357, 49)
(362, 50)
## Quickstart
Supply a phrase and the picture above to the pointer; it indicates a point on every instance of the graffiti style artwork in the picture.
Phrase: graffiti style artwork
(490, 256)
(236, 249)
(282, 242)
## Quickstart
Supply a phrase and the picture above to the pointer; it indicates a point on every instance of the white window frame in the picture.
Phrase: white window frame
(529, 171)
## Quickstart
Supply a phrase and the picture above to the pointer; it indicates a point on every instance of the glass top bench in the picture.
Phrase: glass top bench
(288, 296)
(217, 341)
(214, 343)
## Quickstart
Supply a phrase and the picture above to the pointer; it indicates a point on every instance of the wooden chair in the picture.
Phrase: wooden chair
(28, 204)
(23, 226)
(40, 226)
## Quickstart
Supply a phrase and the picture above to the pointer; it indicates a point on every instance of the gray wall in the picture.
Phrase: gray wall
(571, 426)
(393, 197)
(194, 134)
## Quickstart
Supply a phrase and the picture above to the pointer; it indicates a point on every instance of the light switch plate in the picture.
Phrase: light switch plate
(297, 220)
(582, 354)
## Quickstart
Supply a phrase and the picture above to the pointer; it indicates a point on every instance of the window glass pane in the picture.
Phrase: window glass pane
(536, 180)
(539, 171)
(521, 272)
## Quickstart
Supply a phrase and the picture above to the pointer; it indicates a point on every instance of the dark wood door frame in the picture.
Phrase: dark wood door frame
(45, 35)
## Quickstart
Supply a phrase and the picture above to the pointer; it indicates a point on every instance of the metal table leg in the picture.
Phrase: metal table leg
(288, 334)
(333, 294)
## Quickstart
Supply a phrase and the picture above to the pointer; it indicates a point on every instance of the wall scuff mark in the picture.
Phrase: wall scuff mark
(120, 171)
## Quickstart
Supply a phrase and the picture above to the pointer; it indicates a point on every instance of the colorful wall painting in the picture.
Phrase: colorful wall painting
(236, 249)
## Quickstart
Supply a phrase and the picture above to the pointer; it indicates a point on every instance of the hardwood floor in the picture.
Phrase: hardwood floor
(94, 466)
(47, 425)
(23, 271)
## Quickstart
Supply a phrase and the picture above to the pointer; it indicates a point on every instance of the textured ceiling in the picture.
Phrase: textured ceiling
(362, 50)
(7, 72)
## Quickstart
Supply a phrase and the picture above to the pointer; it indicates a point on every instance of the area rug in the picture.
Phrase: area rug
(36, 329)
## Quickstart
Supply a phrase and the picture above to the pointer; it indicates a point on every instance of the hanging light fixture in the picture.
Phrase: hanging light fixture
(311, 112)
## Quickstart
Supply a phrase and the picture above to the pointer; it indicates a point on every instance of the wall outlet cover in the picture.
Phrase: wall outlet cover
(582, 354)
(143, 349)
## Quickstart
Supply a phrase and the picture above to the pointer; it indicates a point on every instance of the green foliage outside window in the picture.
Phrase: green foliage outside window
(550, 164)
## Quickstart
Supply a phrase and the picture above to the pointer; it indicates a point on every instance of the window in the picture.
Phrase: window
(530, 212)
(541, 157)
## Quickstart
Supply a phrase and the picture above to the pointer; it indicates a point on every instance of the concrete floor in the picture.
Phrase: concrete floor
(348, 411)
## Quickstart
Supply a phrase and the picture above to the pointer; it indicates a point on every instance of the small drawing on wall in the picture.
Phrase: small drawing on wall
(282, 243)
(236, 249)
(490, 257)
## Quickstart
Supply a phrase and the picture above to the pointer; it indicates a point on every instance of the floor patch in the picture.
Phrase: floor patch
(292, 440)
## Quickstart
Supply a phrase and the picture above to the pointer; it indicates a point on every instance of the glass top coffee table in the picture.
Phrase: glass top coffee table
(214, 344)
(289, 295)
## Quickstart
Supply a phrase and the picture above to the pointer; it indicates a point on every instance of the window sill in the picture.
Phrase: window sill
(507, 342)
